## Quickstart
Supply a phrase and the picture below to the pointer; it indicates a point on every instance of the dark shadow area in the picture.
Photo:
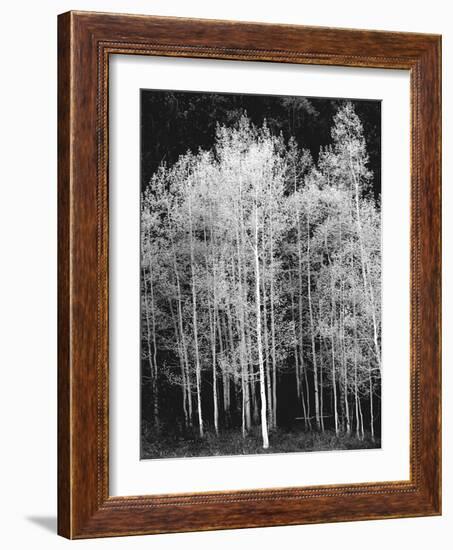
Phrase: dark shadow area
(48, 523)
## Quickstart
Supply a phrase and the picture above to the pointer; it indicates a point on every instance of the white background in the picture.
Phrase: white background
(128, 475)
(28, 272)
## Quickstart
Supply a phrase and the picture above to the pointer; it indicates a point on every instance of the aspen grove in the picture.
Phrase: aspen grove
(260, 271)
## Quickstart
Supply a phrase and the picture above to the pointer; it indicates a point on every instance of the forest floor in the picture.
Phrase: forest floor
(231, 442)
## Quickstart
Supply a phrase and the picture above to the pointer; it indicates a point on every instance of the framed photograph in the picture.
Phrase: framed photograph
(249, 275)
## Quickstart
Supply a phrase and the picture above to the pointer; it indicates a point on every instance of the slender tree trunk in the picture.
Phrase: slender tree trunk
(150, 353)
(345, 370)
(151, 331)
(332, 335)
(153, 325)
(181, 325)
(354, 316)
(264, 431)
(334, 381)
(362, 432)
(300, 390)
(181, 365)
(195, 319)
(273, 404)
(356, 395)
(232, 366)
(225, 375)
(212, 316)
(345, 402)
(371, 405)
(252, 410)
(250, 376)
(321, 396)
(242, 344)
(229, 322)
(214, 378)
(312, 328)
(248, 365)
(242, 276)
(301, 318)
(307, 389)
(214, 344)
(254, 400)
(266, 341)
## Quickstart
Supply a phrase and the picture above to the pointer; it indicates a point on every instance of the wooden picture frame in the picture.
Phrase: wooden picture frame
(85, 42)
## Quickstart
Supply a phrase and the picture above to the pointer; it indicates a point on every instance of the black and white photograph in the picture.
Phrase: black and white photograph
(260, 274)
(227, 282)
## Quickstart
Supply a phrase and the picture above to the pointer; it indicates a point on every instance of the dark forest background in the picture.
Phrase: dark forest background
(174, 122)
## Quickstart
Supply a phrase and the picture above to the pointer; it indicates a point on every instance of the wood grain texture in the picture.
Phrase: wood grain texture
(86, 40)
(64, 391)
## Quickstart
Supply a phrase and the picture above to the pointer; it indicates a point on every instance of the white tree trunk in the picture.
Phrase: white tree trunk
(195, 319)
(264, 431)
(312, 328)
